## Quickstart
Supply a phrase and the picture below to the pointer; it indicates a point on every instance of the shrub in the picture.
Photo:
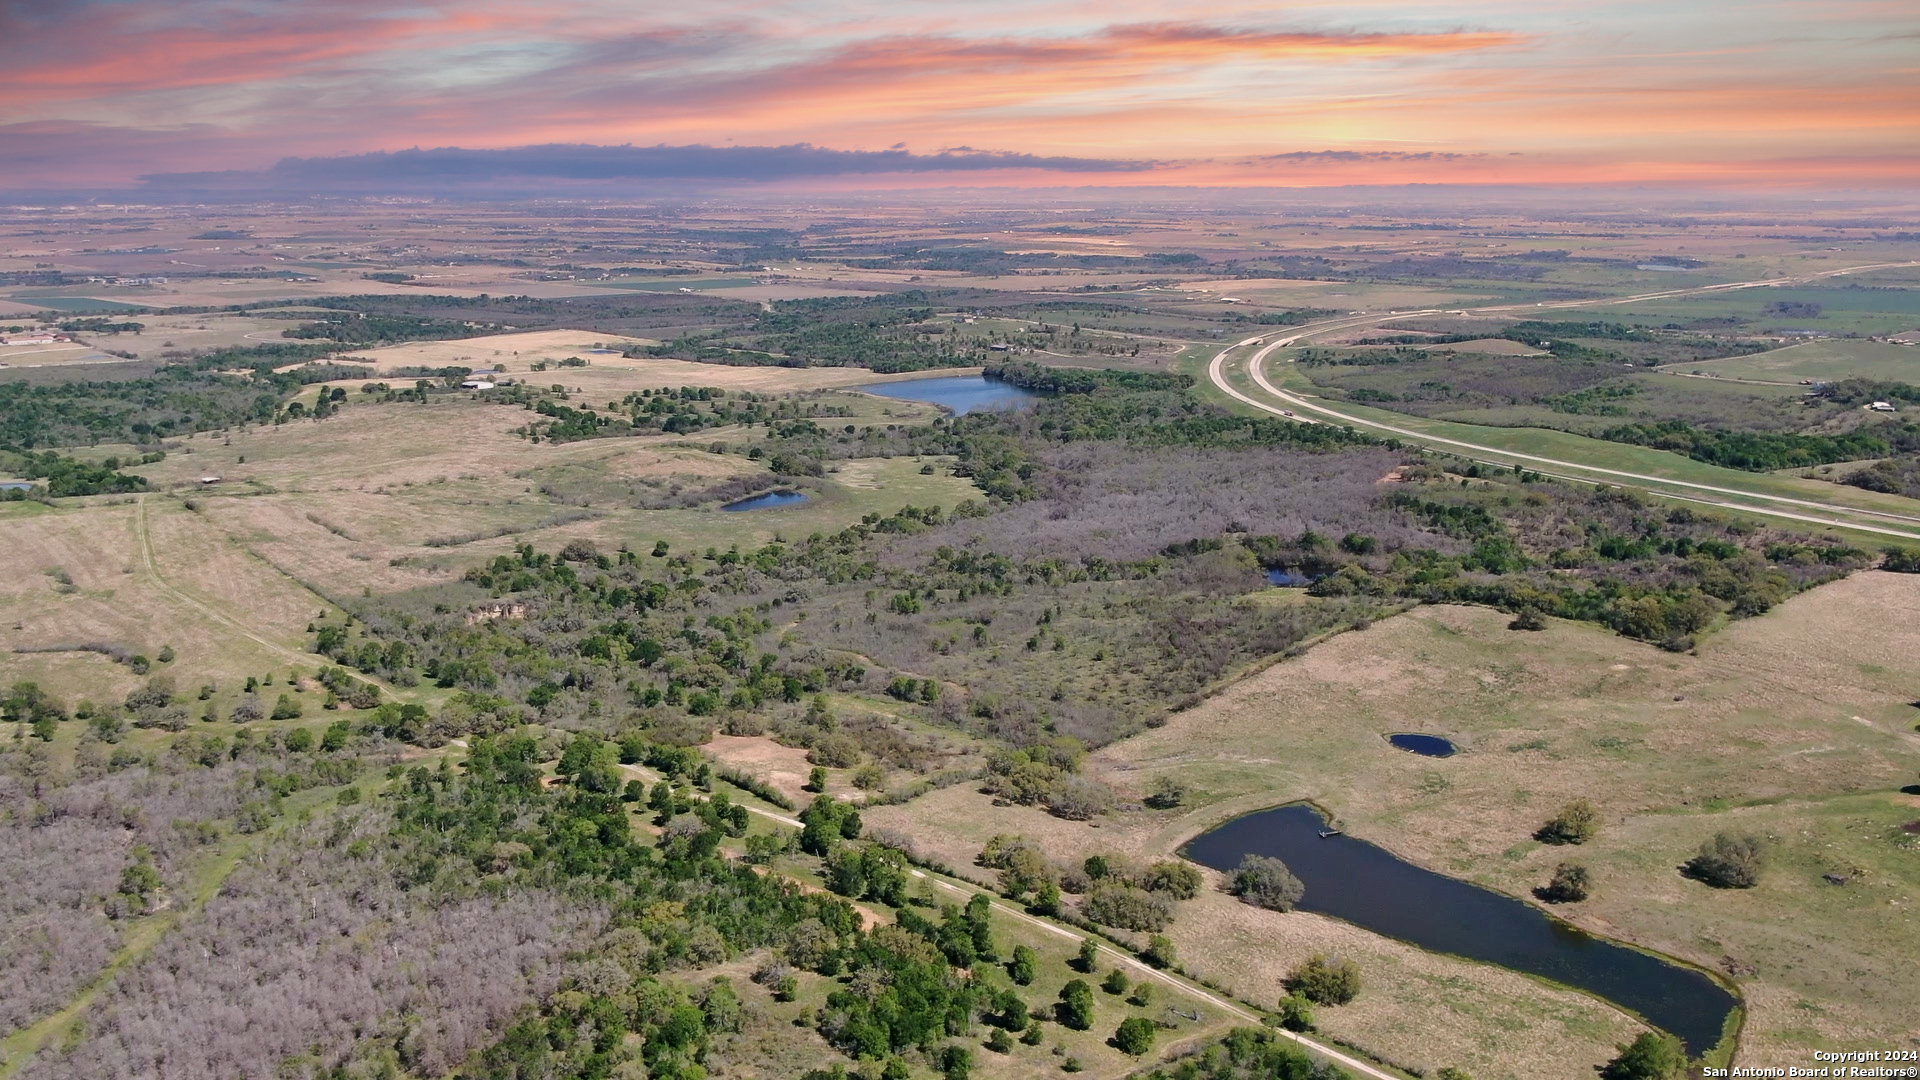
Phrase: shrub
(1325, 982)
(1076, 798)
(835, 752)
(300, 740)
(1571, 884)
(1176, 879)
(1729, 862)
(1166, 793)
(286, 709)
(1576, 823)
(999, 1042)
(869, 777)
(1116, 982)
(1266, 882)
(1112, 903)
(1134, 1036)
(1649, 1057)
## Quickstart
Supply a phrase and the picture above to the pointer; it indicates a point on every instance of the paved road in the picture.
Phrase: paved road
(1694, 492)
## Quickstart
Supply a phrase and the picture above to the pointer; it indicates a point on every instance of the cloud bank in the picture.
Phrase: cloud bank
(455, 167)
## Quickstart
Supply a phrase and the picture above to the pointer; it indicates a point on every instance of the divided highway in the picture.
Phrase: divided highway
(1295, 407)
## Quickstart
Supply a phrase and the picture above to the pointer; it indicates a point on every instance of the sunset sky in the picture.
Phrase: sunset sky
(1750, 93)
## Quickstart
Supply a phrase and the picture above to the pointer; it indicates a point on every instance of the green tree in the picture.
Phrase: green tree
(336, 736)
(299, 740)
(1325, 982)
(1087, 960)
(956, 1063)
(1159, 951)
(140, 880)
(826, 822)
(286, 708)
(591, 765)
(1576, 823)
(1024, 965)
(1649, 1057)
(817, 779)
(1075, 1007)
(1265, 882)
(1134, 1036)
(1116, 982)
(1296, 1013)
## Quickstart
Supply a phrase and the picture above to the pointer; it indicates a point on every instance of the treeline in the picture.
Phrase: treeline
(70, 476)
(1028, 375)
(1752, 451)
(365, 328)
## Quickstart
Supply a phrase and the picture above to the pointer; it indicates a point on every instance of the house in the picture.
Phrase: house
(1882, 406)
(208, 481)
(476, 384)
(34, 339)
(999, 347)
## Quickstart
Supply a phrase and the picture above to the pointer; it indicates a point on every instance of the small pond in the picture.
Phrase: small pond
(1424, 745)
(959, 393)
(768, 501)
(1370, 887)
(1288, 579)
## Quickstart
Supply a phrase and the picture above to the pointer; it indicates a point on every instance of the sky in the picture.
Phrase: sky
(1756, 94)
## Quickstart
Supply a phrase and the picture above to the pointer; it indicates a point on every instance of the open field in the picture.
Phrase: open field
(1797, 726)
(337, 502)
(1823, 361)
(142, 577)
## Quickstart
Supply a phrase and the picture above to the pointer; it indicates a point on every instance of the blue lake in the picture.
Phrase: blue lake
(959, 393)
(1372, 888)
(1424, 745)
(768, 501)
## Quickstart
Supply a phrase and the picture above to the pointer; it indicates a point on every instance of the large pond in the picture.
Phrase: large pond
(768, 501)
(960, 393)
(1370, 887)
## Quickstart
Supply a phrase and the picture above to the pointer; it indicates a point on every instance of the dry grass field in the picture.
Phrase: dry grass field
(609, 372)
(1796, 726)
(142, 577)
(1822, 360)
(389, 497)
